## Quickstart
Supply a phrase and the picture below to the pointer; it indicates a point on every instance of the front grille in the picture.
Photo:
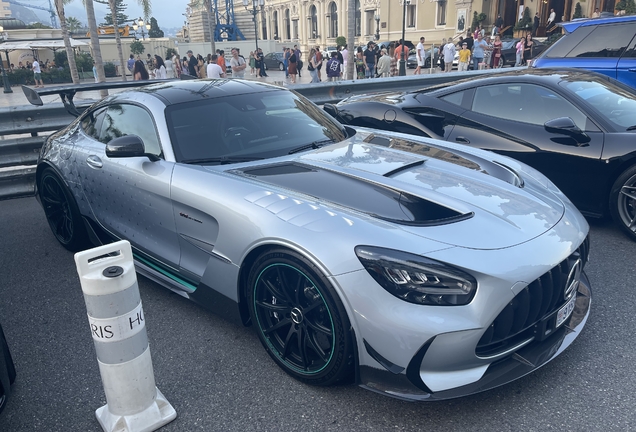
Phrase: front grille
(519, 321)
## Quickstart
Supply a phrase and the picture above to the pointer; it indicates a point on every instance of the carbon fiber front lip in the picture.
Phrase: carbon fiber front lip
(519, 364)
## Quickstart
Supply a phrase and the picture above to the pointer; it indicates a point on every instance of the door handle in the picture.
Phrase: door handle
(94, 162)
(461, 139)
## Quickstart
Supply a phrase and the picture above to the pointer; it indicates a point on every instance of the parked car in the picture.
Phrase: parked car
(394, 260)
(509, 50)
(576, 127)
(274, 61)
(603, 45)
(412, 60)
(7, 371)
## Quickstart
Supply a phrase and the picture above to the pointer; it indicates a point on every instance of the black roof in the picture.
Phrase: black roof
(176, 92)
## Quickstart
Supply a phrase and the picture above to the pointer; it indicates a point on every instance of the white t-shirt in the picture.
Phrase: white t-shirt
(160, 73)
(237, 62)
(36, 67)
(214, 70)
(449, 52)
(420, 54)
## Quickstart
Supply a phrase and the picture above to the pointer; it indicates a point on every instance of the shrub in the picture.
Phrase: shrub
(341, 41)
(110, 70)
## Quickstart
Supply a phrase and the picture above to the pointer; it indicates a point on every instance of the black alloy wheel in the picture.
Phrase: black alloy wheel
(623, 201)
(299, 318)
(62, 212)
(265, 66)
(3, 398)
(427, 63)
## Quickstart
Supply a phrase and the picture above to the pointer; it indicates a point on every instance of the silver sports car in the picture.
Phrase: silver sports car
(417, 268)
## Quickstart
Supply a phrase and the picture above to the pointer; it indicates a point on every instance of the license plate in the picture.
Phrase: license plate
(565, 312)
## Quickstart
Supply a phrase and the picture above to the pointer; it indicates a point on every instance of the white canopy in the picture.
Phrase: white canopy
(38, 44)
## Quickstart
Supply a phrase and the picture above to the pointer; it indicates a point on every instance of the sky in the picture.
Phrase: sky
(167, 12)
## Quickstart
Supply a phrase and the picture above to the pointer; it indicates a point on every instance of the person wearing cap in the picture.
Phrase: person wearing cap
(464, 57)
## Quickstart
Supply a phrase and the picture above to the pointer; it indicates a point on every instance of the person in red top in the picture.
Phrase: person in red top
(398, 51)
(221, 60)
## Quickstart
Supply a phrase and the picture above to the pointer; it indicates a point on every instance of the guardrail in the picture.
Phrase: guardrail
(18, 156)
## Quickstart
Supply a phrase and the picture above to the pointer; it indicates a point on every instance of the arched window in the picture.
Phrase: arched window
(313, 19)
(275, 24)
(358, 19)
(333, 20)
(263, 24)
(287, 25)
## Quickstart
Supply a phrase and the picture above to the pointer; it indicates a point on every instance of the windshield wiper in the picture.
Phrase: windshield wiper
(314, 145)
(633, 127)
(221, 160)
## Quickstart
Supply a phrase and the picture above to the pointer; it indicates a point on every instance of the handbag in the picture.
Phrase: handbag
(310, 67)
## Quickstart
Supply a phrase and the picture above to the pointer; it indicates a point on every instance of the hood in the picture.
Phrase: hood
(433, 191)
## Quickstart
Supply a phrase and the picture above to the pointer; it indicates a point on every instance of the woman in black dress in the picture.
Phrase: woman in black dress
(528, 50)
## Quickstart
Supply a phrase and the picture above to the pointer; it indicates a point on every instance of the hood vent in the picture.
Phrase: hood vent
(376, 200)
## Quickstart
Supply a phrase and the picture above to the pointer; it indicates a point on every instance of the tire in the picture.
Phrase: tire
(281, 67)
(427, 63)
(502, 62)
(299, 318)
(62, 212)
(623, 201)
(265, 66)
(3, 398)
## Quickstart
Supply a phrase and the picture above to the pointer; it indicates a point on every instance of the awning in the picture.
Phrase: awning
(39, 44)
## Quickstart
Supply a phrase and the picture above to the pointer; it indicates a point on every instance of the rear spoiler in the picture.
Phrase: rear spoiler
(67, 92)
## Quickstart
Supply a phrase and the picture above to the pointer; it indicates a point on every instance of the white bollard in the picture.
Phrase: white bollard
(116, 318)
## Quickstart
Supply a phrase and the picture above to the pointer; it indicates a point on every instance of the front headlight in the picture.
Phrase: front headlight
(417, 279)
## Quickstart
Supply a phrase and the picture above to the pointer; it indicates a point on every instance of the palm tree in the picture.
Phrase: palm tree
(351, 37)
(73, 24)
(96, 50)
(70, 55)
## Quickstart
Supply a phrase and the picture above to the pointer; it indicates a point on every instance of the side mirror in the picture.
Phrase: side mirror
(127, 146)
(566, 126)
(331, 109)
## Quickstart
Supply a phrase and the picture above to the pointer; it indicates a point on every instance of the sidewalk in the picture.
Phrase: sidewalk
(17, 98)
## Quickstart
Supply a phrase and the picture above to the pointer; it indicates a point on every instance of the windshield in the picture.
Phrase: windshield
(256, 126)
(612, 102)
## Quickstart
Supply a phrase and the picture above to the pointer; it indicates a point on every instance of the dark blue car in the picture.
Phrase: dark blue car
(604, 45)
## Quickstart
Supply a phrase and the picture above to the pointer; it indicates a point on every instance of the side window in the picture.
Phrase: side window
(630, 52)
(605, 41)
(92, 123)
(123, 119)
(527, 103)
(563, 46)
(455, 98)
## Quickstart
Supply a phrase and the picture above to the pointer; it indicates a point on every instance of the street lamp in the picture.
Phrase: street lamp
(256, 4)
(377, 26)
(139, 24)
(402, 71)
(5, 78)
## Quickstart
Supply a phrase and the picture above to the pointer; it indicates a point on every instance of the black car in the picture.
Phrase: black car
(576, 127)
(274, 61)
(7, 371)
(509, 50)
(411, 63)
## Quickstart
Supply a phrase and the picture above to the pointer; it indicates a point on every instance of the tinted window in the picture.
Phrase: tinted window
(630, 52)
(259, 125)
(613, 102)
(563, 46)
(526, 103)
(92, 123)
(455, 98)
(605, 41)
(123, 119)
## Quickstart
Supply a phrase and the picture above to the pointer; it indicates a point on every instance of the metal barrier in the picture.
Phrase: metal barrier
(18, 156)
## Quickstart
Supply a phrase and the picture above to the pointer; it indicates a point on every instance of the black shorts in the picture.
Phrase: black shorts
(319, 66)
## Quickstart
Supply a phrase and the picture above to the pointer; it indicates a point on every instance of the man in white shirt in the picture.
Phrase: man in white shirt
(214, 70)
(345, 56)
(237, 64)
(37, 73)
(449, 55)
(421, 56)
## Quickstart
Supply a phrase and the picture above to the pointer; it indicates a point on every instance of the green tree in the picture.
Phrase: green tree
(120, 8)
(478, 18)
(630, 7)
(341, 41)
(578, 13)
(525, 20)
(38, 25)
(137, 48)
(155, 31)
(73, 24)
(170, 52)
